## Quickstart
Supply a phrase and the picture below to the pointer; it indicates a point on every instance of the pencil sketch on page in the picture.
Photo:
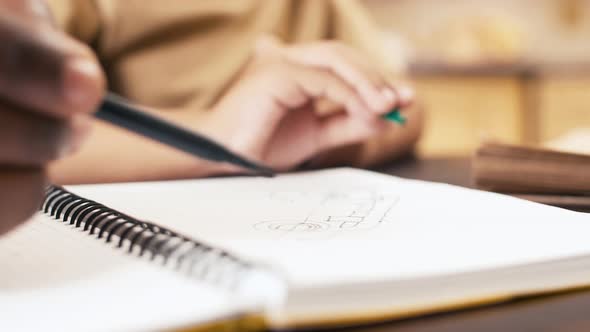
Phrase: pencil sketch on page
(334, 211)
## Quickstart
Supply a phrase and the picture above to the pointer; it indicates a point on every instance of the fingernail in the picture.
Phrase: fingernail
(406, 94)
(387, 98)
(81, 82)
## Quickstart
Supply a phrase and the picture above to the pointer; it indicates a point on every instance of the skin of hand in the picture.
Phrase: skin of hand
(277, 112)
(271, 115)
(49, 85)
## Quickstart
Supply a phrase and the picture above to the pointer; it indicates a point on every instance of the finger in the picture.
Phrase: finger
(43, 70)
(29, 138)
(341, 60)
(21, 195)
(316, 84)
(340, 130)
(404, 94)
(35, 11)
(81, 127)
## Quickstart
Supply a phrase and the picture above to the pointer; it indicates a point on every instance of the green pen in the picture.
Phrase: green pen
(395, 116)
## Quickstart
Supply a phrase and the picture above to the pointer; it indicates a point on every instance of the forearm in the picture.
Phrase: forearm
(111, 154)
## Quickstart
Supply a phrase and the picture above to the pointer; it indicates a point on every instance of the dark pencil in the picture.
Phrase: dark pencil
(119, 112)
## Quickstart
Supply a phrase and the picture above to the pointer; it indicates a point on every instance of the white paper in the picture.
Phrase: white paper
(346, 226)
(56, 278)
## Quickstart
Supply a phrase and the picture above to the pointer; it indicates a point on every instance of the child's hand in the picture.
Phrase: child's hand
(373, 84)
(270, 114)
(49, 85)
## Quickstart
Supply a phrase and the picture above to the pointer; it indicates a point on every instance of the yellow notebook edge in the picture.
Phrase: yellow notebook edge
(259, 322)
(382, 316)
(243, 322)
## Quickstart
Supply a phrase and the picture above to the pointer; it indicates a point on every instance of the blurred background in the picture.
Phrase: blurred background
(517, 71)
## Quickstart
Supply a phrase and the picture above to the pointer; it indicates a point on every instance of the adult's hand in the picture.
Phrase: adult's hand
(49, 85)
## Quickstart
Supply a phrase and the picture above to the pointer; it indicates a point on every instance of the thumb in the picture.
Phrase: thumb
(342, 129)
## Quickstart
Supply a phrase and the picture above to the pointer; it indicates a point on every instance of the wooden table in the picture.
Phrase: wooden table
(557, 313)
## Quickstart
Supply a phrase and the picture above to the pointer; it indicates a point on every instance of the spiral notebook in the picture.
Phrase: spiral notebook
(307, 250)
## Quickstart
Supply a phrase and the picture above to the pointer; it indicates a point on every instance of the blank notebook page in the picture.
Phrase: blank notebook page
(344, 225)
(57, 278)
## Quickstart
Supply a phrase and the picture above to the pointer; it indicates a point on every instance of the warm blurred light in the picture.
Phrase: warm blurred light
(490, 30)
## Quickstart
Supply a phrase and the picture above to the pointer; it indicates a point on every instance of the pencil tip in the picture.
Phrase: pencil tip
(257, 168)
(268, 174)
(264, 171)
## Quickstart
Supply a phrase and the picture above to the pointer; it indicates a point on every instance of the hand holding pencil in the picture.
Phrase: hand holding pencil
(49, 85)
(268, 118)
(270, 115)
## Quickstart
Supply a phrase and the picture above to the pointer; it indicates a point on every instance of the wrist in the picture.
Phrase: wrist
(211, 124)
(219, 126)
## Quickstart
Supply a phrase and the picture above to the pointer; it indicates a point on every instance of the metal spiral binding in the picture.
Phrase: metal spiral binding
(196, 259)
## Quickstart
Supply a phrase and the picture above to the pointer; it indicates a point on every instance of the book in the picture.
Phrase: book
(317, 249)
(540, 174)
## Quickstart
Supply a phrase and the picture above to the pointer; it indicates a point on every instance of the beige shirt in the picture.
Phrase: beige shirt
(174, 53)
